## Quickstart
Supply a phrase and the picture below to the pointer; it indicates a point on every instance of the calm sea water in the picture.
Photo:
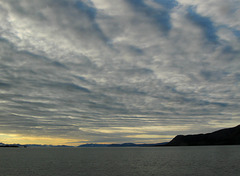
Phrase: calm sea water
(159, 161)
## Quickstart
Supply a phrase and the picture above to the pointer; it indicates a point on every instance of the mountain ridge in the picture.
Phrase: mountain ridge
(226, 136)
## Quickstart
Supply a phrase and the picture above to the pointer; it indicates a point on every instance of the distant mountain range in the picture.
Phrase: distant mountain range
(227, 136)
(31, 145)
(85, 145)
(9, 145)
(123, 145)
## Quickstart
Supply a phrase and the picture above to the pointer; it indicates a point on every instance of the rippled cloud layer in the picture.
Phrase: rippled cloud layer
(118, 71)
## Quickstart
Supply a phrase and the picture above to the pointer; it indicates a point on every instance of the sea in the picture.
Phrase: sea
(129, 161)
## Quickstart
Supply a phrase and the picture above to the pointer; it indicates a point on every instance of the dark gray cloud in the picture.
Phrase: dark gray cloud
(157, 17)
(205, 23)
(121, 71)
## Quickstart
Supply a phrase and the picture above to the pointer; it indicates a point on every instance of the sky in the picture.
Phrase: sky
(115, 71)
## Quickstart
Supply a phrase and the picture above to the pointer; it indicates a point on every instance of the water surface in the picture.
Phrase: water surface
(165, 161)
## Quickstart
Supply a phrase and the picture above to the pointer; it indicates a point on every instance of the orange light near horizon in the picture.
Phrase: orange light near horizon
(21, 139)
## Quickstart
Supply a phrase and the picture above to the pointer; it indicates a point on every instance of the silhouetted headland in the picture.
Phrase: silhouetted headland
(227, 136)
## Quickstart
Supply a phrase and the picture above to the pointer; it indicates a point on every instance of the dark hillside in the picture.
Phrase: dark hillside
(228, 136)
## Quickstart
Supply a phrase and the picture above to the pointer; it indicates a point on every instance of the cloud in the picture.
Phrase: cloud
(220, 12)
(205, 23)
(73, 69)
(145, 13)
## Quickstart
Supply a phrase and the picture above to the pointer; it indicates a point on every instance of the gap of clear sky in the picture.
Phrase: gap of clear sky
(114, 71)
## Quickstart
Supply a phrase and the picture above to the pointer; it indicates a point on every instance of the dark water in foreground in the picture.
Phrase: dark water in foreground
(161, 161)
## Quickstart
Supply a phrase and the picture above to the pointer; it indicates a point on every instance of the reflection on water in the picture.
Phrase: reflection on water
(166, 161)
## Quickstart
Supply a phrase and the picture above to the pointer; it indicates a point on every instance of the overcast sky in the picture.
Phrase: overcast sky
(114, 71)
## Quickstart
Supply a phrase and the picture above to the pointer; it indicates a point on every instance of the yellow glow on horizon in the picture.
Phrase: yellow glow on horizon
(21, 139)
